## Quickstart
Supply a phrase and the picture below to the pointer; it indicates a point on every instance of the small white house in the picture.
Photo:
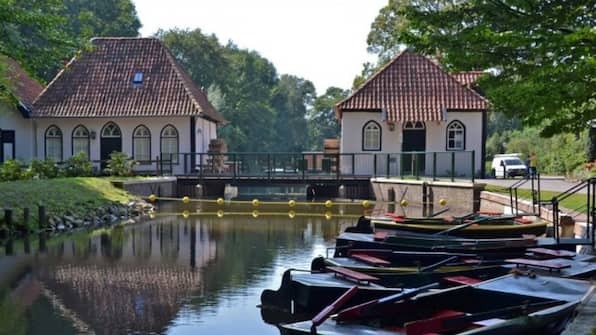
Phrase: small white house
(413, 105)
(16, 125)
(124, 94)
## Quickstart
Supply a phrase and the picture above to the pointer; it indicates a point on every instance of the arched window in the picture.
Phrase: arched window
(141, 144)
(53, 143)
(371, 136)
(414, 125)
(111, 130)
(169, 143)
(456, 136)
(80, 141)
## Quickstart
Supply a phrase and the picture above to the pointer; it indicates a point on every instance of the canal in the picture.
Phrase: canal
(192, 269)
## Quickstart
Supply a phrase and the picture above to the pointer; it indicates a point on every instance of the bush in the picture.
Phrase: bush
(11, 170)
(78, 166)
(120, 165)
(43, 169)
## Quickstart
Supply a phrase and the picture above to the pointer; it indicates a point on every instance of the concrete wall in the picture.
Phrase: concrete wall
(462, 198)
(12, 119)
(391, 142)
(163, 186)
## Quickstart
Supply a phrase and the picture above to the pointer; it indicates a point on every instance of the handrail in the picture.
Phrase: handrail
(535, 193)
(590, 185)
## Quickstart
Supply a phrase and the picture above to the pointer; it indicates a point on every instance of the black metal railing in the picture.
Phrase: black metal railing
(450, 165)
(534, 179)
(590, 186)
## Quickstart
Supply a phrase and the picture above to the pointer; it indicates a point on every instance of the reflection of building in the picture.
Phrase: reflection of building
(121, 283)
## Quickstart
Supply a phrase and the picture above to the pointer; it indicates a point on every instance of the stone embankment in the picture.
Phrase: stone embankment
(108, 214)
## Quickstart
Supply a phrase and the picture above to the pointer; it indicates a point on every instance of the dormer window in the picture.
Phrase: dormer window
(138, 78)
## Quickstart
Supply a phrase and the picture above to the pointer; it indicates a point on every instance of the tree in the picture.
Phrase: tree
(32, 33)
(239, 81)
(321, 118)
(541, 52)
(202, 56)
(291, 99)
(105, 18)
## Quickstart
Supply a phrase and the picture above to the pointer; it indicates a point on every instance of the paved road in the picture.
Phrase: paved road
(556, 184)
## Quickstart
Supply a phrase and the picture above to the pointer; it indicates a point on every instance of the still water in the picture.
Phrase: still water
(170, 275)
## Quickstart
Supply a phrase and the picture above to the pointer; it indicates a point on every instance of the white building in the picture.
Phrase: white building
(16, 126)
(412, 105)
(124, 94)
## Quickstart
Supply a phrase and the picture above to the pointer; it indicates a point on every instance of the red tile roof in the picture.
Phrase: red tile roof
(24, 88)
(99, 83)
(412, 88)
(468, 78)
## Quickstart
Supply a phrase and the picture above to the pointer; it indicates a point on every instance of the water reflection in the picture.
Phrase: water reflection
(171, 275)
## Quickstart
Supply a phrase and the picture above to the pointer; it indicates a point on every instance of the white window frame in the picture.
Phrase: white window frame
(371, 136)
(456, 136)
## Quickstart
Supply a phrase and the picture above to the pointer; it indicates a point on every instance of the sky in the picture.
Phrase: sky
(323, 41)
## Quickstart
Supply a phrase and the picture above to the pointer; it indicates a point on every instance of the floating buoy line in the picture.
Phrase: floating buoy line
(254, 214)
(291, 203)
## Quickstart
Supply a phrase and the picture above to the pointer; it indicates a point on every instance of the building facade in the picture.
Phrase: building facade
(413, 105)
(124, 94)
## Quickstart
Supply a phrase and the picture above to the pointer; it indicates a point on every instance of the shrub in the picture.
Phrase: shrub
(44, 169)
(11, 170)
(120, 165)
(78, 166)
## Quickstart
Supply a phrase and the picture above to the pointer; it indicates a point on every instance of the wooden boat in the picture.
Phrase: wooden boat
(510, 304)
(303, 291)
(482, 226)
(500, 248)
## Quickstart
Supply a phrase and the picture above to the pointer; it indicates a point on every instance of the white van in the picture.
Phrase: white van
(508, 165)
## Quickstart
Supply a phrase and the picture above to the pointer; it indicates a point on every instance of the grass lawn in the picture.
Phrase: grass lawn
(60, 196)
(575, 202)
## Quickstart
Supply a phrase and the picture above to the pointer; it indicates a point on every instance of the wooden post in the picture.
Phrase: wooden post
(391, 200)
(424, 197)
(41, 213)
(8, 219)
(26, 217)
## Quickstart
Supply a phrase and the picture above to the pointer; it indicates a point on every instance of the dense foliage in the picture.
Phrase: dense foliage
(561, 154)
(321, 117)
(542, 52)
(266, 111)
(75, 166)
(43, 34)
(120, 165)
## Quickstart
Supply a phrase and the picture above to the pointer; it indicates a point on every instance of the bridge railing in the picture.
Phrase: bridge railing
(436, 165)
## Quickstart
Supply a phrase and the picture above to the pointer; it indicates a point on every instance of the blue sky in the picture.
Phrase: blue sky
(320, 40)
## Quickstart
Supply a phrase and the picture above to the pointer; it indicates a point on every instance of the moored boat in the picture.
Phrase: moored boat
(481, 226)
(510, 304)
(499, 248)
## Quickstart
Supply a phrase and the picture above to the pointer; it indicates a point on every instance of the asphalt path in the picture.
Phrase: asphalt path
(549, 183)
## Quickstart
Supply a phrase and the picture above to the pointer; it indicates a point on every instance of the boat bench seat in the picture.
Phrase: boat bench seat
(546, 264)
(461, 280)
(553, 253)
(380, 236)
(523, 220)
(370, 259)
(492, 213)
(351, 274)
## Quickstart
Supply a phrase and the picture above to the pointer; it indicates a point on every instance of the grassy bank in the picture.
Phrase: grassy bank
(575, 202)
(60, 196)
